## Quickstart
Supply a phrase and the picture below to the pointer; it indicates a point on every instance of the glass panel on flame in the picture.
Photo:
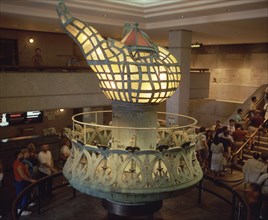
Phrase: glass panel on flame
(119, 85)
(162, 94)
(100, 54)
(103, 76)
(81, 38)
(145, 77)
(134, 77)
(109, 76)
(133, 68)
(78, 24)
(146, 86)
(94, 41)
(116, 96)
(156, 86)
(154, 77)
(87, 46)
(135, 85)
(145, 95)
(71, 29)
(115, 68)
(118, 77)
(88, 31)
(163, 76)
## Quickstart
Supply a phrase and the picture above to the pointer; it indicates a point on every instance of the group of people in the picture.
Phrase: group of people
(29, 166)
(217, 145)
(221, 143)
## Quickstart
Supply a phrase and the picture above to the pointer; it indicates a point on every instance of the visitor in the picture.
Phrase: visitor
(217, 159)
(253, 109)
(33, 158)
(216, 128)
(239, 119)
(46, 168)
(27, 162)
(22, 180)
(37, 58)
(209, 139)
(252, 169)
(226, 139)
(65, 151)
(231, 126)
(254, 123)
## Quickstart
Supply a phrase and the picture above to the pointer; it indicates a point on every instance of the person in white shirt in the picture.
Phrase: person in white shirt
(65, 151)
(231, 126)
(253, 168)
(46, 168)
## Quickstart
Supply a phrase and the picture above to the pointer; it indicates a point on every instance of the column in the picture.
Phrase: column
(180, 47)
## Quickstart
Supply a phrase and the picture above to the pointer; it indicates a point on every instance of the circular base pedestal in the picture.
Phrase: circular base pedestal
(131, 210)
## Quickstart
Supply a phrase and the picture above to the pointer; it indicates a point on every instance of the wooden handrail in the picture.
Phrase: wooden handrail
(250, 138)
(29, 188)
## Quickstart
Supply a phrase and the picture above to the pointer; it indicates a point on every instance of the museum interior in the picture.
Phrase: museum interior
(135, 109)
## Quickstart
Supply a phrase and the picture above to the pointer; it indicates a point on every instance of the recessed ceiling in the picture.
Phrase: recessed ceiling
(211, 22)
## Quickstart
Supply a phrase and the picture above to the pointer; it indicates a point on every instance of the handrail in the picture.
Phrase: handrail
(29, 188)
(250, 138)
(217, 182)
(259, 93)
(235, 196)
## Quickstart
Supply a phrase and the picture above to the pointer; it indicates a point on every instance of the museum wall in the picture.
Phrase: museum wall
(236, 71)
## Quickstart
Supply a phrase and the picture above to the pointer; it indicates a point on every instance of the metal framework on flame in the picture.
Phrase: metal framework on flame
(147, 74)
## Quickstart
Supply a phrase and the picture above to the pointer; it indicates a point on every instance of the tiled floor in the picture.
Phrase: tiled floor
(185, 207)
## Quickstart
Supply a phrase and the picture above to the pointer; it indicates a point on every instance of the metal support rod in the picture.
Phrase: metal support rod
(200, 187)
(233, 206)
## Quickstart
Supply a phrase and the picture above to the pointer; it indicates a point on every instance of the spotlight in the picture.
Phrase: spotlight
(31, 40)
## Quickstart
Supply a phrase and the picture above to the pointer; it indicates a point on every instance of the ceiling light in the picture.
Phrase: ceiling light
(31, 40)
(196, 45)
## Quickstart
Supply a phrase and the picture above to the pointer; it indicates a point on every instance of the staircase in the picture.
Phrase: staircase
(260, 146)
(261, 137)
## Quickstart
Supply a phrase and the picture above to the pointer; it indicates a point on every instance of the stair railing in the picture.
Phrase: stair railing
(258, 130)
(259, 93)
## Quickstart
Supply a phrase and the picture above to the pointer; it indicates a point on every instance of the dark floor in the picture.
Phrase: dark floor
(185, 207)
